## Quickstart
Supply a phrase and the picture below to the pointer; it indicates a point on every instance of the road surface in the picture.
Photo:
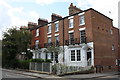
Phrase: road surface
(7, 74)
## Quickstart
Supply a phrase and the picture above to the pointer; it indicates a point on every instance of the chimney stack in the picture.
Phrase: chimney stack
(73, 9)
(55, 17)
(31, 24)
(42, 21)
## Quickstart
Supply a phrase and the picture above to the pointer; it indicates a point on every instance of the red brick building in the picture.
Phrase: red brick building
(87, 36)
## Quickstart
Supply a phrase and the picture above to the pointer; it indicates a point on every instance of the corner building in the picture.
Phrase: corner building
(87, 38)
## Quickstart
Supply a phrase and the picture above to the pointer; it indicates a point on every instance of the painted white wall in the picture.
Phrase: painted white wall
(67, 55)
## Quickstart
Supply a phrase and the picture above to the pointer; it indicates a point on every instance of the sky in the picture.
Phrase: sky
(20, 12)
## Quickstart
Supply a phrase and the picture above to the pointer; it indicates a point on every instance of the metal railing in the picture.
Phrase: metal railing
(52, 44)
(75, 41)
(43, 67)
(35, 47)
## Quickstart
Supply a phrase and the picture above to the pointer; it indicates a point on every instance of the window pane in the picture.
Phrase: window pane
(113, 47)
(56, 40)
(49, 40)
(82, 36)
(36, 43)
(56, 27)
(37, 32)
(71, 38)
(71, 22)
(82, 21)
(78, 55)
(72, 55)
(52, 56)
(49, 29)
(56, 57)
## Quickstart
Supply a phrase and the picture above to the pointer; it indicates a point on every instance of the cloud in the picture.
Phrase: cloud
(45, 2)
(34, 15)
(42, 2)
(14, 16)
(103, 6)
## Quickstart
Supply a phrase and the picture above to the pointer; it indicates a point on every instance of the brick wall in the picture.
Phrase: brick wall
(103, 40)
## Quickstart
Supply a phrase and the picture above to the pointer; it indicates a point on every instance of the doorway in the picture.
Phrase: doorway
(89, 57)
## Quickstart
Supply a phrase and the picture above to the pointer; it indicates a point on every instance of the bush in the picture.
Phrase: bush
(37, 60)
(54, 68)
(24, 64)
(48, 60)
(14, 63)
(40, 60)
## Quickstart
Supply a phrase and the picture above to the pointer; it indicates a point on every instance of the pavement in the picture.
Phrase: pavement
(33, 74)
(92, 75)
(83, 76)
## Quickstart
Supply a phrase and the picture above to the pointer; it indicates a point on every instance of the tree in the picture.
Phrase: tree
(54, 50)
(14, 42)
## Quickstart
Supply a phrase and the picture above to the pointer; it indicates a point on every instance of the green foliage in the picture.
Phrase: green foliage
(48, 60)
(24, 64)
(14, 42)
(28, 55)
(53, 49)
(40, 60)
(13, 63)
(54, 68)
(37, 60)
(62, 69)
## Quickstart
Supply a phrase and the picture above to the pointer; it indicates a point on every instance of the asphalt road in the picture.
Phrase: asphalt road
(7, 74)
(19, 74)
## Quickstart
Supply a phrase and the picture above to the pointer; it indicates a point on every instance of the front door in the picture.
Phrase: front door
(89, 58)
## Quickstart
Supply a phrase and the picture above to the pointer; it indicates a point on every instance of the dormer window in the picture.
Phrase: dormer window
(37, 32)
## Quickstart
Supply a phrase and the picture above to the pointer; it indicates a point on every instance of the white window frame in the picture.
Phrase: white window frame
(56, 37)
(75, 55)
(48, 40)
(56, 27)
(49, 28)
(71, 56)
(36, 43)
(82, 29)
(81, 19)
(37, 32)
(71, 23)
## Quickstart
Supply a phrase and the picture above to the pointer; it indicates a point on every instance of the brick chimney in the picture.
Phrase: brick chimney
(23, 27)
(73, 9)
(42, 21)
(55, 17)
(31, 24)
